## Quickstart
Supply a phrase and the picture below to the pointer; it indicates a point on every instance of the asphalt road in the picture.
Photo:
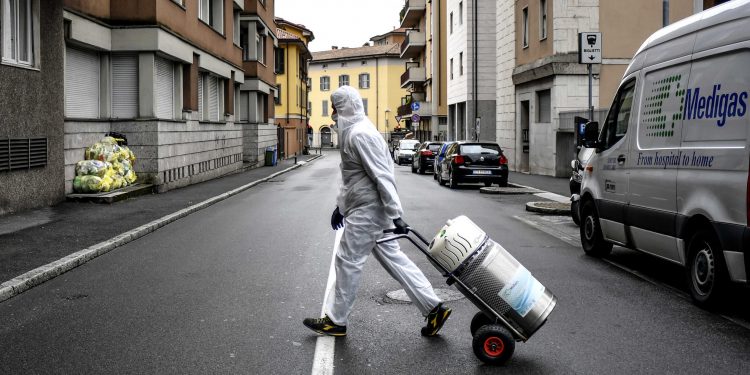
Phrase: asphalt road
(225, 289)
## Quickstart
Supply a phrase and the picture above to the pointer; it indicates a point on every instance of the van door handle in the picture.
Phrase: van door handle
(621, 159)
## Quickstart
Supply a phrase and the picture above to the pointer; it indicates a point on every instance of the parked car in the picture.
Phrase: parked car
(675, 185)
(404, 152)
(439, 158)
(470, 161)
(424, 159)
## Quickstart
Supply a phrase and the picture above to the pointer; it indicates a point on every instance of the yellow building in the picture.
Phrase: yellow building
(373, 70)
(292, 88)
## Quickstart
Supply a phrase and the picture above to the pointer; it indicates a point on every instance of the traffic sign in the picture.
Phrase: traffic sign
(398, 118)
(415, 118)
(415, 106)
(589, 48)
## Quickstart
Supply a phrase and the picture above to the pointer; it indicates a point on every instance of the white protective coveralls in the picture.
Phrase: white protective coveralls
(369, 202)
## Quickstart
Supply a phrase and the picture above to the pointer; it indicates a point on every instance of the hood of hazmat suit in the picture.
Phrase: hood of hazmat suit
(366, 166)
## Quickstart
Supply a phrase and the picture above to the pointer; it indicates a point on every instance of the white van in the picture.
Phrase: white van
(669, 176)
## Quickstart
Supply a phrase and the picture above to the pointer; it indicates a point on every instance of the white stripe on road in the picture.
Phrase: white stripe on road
(324, 347)
(554, 197)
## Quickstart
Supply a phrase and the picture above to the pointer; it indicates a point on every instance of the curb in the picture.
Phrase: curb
(28, 280)
(510, 190)
(549, 208)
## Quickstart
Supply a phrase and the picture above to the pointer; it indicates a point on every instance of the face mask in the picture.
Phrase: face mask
(335, 117)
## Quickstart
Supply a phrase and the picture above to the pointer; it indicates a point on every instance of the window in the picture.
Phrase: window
(125, 85)
(325, 83)
(461, 64)
(451, 68)
(212, 13)
(343, 80)
(364, 104)
(543, 106)
(618, 118)
(164, 94)
(81, 83)
(278, 55)
(542, 19)
(236, 28)
(461, 13)
(277, 96)
(451, 22)
(260, 45)
(525, 15)
(18, 34)
(325, 108)
(210, 97)
(244, 106)
(364, 81)
(201, 105)
(262, 104)
(237, 103)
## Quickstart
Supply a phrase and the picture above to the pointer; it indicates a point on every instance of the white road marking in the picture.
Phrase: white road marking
(324, 346)
(553, 197)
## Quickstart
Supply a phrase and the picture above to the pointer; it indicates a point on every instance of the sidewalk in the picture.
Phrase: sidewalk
(35, 238)
(557, 185)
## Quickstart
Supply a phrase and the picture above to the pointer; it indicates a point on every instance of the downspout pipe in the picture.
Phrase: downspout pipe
(475, 73)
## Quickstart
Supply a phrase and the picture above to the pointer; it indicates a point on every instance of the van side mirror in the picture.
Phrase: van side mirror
(590, 137)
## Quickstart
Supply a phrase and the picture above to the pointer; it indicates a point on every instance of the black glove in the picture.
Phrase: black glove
(401, 226)
(337, 219)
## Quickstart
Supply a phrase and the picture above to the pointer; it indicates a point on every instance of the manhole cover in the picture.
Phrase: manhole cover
(400, 296)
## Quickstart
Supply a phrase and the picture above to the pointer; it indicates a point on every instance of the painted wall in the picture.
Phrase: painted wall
(383, 96)
(505, 100)
(32, 106)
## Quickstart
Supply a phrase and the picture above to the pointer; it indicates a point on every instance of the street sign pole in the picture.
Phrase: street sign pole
(591, 84)
(590, 53)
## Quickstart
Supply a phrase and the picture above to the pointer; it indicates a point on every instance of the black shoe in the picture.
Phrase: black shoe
(435, 320)
(325, 326)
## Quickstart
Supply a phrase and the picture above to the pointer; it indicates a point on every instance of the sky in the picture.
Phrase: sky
(342, 23)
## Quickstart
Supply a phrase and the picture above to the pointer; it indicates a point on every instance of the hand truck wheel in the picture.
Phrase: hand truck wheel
(480, 319)
(493, 344)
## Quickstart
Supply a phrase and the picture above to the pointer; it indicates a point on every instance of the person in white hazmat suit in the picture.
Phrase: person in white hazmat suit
(368, 204)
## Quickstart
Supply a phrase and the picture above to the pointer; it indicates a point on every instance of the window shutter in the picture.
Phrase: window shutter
(81, 83)
(125, 86)
(201, 109)
(213, 99)
(164, 88)
(244, 106)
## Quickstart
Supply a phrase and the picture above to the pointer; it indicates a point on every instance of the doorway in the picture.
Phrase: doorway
(525, 144)
(325, 137)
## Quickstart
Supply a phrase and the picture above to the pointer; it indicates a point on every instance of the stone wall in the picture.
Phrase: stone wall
(506, 90)
(31, 106)
(256, 137)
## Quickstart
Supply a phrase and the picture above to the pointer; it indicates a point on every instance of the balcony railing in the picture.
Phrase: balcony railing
(414, 44)
(412, 12)
(413, 75)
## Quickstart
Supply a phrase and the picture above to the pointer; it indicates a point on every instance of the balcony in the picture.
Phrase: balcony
(412, 13)
(414, 44)
(412, 76)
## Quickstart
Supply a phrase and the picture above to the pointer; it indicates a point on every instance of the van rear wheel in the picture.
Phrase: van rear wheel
(592, 239)
(706, 270)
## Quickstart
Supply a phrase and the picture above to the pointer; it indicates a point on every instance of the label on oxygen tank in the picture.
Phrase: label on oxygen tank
(522, 292)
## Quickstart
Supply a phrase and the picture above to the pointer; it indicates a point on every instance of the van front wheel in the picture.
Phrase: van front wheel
(592, 240)
(706, 271)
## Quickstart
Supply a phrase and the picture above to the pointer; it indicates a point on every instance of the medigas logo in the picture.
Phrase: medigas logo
(715, 105)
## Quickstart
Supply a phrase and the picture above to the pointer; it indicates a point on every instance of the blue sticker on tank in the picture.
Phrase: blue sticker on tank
(522, 292)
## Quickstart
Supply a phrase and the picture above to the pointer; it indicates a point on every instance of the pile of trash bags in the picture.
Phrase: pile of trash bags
(108, 166)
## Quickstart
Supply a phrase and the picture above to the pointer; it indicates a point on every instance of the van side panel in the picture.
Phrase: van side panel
(655, 156)
(713, 175)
